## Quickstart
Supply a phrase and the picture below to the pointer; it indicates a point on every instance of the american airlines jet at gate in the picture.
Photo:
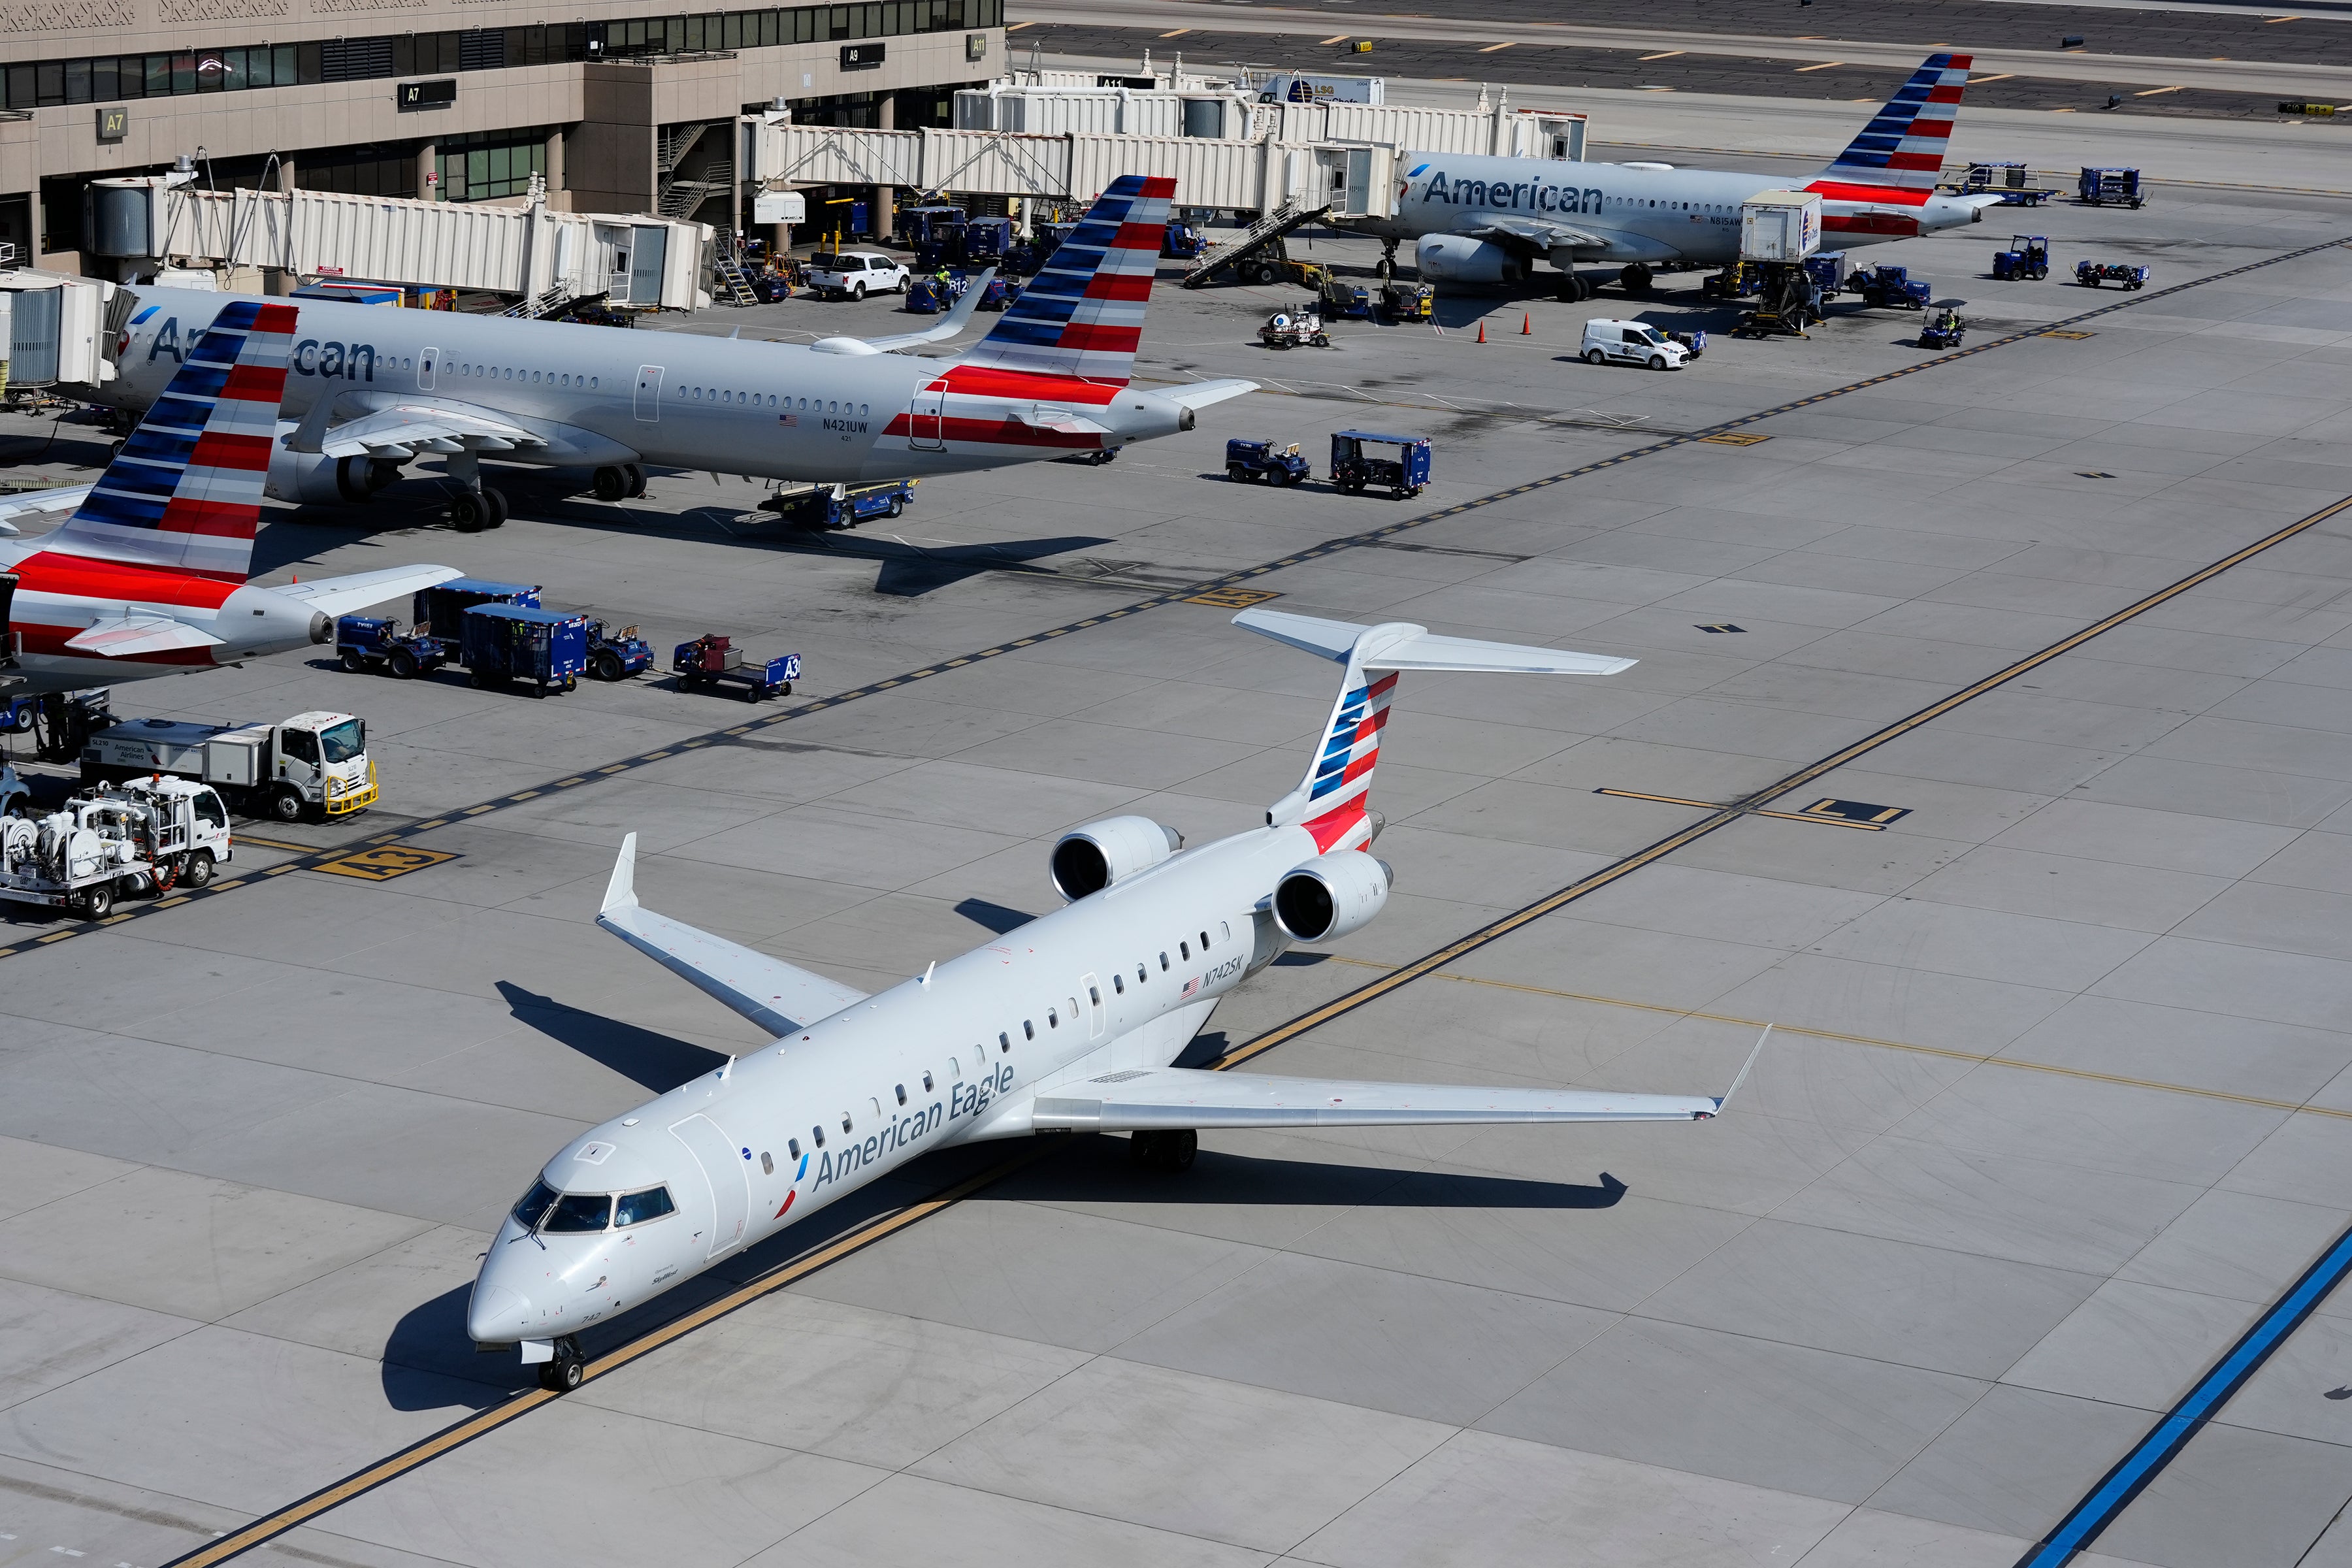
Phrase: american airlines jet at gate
(1067, 1023)
(1485, 220)
(372, 389)
(147, 577)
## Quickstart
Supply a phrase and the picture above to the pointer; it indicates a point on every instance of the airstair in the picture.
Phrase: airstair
(1266, 232)
(734, 283)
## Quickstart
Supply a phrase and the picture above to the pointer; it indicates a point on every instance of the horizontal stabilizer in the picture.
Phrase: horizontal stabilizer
(1061, 421)
(342, 595)
(139, 637)
(1174, 1097)
(1200, 393)
(778, 996)
(1399, 645)
(32, 503)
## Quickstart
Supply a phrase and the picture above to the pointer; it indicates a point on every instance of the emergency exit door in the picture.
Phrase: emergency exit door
(927, 420)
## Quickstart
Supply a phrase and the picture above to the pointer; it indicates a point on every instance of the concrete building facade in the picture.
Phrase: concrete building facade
(620, 110)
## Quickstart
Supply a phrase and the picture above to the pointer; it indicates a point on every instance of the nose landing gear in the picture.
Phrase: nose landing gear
(569, 1368)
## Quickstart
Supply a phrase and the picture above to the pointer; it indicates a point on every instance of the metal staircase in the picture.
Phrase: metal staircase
(1266, 231)
(548, 301)
(674, 198)
(734, 283)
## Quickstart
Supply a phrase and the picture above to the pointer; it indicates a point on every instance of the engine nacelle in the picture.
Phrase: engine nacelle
(1331, 896)
(1458, 259)
(313, 479)
(1092, 857)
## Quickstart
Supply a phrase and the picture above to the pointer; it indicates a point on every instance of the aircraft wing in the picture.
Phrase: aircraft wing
(401, 430)
(1171, 1098)
(1200, 393)
(24, 502)
(778, 996)
(1541, 233)
(342, 595)
(138, 637)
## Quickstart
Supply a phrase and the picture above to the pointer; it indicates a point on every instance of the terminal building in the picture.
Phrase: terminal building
(454, 101)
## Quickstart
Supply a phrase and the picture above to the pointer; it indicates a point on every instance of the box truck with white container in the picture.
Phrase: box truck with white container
(311, 764)
(1779, 226)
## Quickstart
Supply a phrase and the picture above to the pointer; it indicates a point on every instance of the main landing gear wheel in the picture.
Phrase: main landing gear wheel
(498, 504)
(468, 512)
(1169, 1151)
(567, 1371)
(612, 484)
(1636, 278)
(636, 476)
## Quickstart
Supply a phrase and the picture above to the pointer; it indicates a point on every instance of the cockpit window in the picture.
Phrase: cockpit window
(638, 1207)
(535, 1205)
(580, 1211)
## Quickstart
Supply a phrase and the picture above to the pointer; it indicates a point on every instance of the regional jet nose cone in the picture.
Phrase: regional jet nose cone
(498, 1316)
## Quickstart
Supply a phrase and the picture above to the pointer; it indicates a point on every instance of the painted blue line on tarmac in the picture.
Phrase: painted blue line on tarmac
(2146, 1460)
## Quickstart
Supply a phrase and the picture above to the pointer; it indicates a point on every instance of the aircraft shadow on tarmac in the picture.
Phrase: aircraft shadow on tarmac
(995, 918)
(910, 570)
(654, 1061)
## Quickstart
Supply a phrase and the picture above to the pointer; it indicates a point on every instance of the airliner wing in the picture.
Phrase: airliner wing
(400, 431)
(1541, 233)
(778, 996)
(342, 595)
(138, 637)
(28, 502)
(1170, 1098)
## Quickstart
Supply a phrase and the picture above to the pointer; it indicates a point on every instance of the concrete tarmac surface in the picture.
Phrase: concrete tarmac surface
(2056, 1105)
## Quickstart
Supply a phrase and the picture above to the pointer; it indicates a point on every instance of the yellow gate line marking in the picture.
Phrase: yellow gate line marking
(237, 1542)
(1948, 1053)
(1431, 962)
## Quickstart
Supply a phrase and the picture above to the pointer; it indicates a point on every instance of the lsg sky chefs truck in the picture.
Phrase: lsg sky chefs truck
(313, 765)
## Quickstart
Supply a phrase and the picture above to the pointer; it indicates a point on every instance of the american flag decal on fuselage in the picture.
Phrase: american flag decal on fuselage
(184, 493)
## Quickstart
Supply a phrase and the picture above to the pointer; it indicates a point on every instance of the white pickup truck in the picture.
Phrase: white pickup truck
(855, 274)
(312, 762)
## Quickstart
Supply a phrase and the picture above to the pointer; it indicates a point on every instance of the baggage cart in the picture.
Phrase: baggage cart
(710, 662)
(1355, 470)
(502, 644)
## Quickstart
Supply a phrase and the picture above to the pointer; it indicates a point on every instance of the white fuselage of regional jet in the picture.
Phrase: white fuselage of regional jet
(598, 396)
(1650, 214)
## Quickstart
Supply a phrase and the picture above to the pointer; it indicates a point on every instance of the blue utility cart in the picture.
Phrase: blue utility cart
(930, 297)
(710, 661)
(936, 223)
(616, 655)
(2012, 182)
(1355, 470)
(2109, 187)
(1001, 291)
(2091, 274)
(1263, 462)
(1893, 287)
(376, 642)
(506, 643)
(2027, 258)
(1827, 270)
(1182, 241)
(843, 506)
(440, 610)
(1943, 329)
(986, 240)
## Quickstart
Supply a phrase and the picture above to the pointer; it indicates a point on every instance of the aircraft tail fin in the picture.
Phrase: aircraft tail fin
(185, 492)
(1902, 149)
(1083, 314)
(1329, 802)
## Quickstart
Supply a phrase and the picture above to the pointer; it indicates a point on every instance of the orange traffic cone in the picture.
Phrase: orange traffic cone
(1482, 329)
(1527, 324)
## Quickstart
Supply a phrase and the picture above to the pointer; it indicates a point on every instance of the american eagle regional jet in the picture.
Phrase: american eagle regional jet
(1069, 1023)
(372, 389)
(1486, 220)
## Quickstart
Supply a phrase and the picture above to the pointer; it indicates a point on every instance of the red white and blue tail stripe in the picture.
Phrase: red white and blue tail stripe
(184, 493)
(1341, 778)
(1900, 154)
(1083, 315)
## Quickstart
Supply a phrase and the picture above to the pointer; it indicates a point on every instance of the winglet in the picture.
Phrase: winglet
(1745, 1068)
(621, 892)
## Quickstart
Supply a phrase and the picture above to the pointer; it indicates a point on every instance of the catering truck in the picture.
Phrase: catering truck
(313, 765)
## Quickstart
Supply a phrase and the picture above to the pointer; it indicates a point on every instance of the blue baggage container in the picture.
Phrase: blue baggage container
(440, 610)
(506, 643)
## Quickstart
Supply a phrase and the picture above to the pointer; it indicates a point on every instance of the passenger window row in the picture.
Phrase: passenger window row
(726, 395)
(512, 372)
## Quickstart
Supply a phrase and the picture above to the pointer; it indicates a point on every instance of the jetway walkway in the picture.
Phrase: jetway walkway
(530, 253)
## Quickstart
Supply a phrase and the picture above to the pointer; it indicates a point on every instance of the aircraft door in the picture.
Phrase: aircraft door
(926, 419)
(1098, 1009)
(726, 1172)
(649, 380)
(426, 361)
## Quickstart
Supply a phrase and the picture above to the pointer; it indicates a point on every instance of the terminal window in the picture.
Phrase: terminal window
(491, 163)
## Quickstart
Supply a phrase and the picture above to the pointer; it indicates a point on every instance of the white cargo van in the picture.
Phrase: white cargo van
(1632, 342)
